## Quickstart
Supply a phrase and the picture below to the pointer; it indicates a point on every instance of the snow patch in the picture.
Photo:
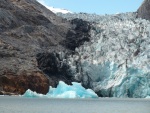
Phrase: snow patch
(54, 10)
(58, 10)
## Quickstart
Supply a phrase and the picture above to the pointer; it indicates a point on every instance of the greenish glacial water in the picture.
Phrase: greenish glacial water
(16, 104)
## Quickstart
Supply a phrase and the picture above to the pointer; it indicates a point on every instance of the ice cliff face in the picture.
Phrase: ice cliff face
(116, 60)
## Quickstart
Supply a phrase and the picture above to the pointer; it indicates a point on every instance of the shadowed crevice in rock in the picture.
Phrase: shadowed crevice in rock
(55, 66)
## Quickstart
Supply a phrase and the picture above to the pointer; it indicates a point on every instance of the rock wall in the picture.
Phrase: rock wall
(144, 10)
(31, 37)
(26, 29)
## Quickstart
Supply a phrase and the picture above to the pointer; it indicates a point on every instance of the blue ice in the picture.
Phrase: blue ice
(65, 91)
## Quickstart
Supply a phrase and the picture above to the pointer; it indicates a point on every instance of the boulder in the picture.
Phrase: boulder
(18, 84)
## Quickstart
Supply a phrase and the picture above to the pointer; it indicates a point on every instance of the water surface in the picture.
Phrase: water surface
(11, 104)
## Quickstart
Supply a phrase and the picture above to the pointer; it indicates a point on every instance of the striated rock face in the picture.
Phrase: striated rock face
(29, 34)
(144, 10)
(26, 29)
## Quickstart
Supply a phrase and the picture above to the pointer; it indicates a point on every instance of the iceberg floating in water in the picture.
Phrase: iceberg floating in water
(65, 91)
(148, 97)
(30, 93)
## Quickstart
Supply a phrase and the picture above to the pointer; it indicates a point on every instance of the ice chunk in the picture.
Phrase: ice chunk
(148, 97)
(65, 91)
(30, 93)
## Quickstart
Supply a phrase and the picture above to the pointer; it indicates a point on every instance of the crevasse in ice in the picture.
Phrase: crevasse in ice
(116, 61)
(65, 91)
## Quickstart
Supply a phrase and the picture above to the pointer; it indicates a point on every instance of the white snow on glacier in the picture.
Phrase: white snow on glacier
(116, 62)
(58, 10)
(65, 91)
(54, 10)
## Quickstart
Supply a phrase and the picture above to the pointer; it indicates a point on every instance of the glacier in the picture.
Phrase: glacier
(64, 91)
(116, 61)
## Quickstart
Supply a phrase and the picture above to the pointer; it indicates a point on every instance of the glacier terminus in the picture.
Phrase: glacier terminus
(116, 60)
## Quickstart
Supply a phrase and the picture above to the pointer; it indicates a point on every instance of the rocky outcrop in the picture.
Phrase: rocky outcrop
(31, 37)
(78, 34)
(144, 10)
(55, 66)
(26, 29)
(13, 83)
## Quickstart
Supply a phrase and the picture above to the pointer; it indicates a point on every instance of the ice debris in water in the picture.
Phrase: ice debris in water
(148, 97)
(65, 91)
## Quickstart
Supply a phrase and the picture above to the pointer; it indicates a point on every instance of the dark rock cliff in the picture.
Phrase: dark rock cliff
(144, 10)
(78, 34)
(26, 29)
(29, 34)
